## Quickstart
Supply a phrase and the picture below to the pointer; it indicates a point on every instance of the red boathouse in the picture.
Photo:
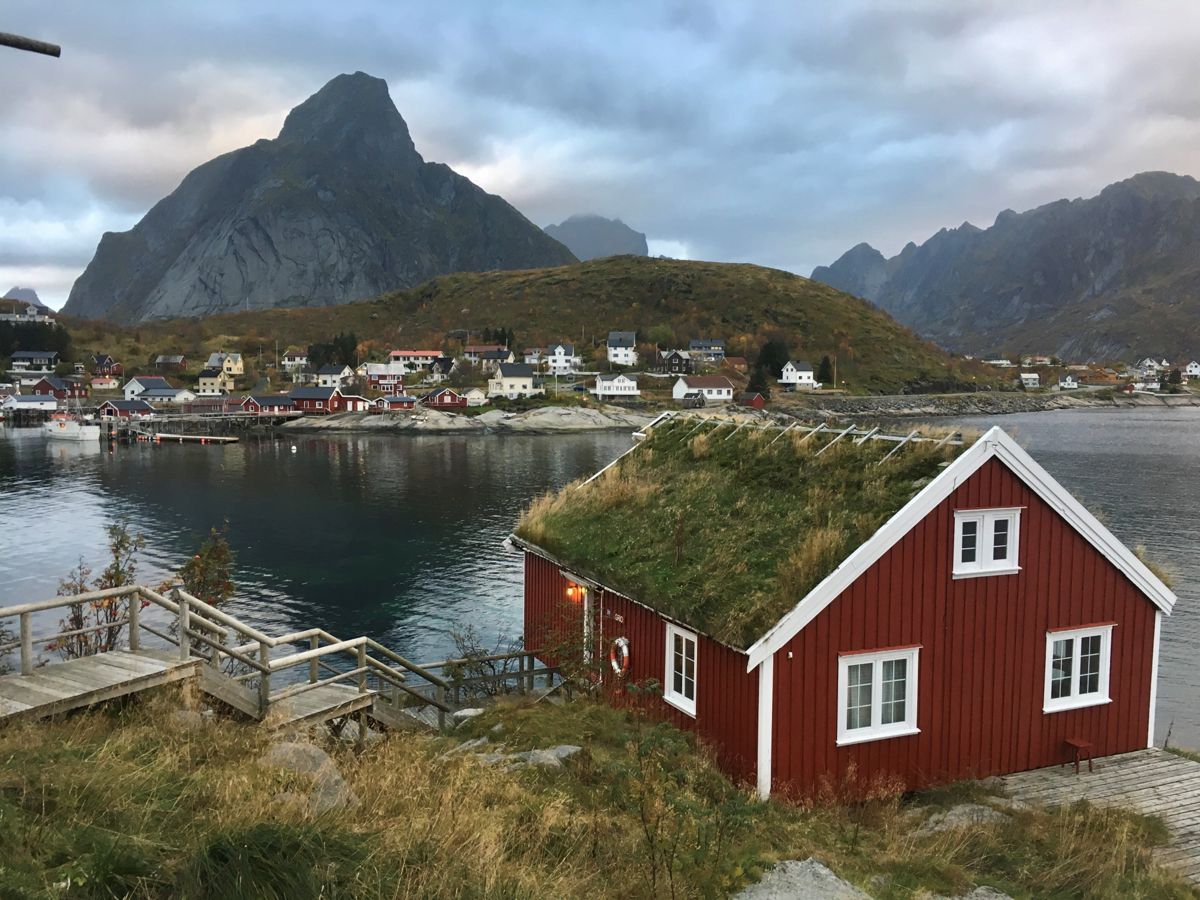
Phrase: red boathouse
(828, 608)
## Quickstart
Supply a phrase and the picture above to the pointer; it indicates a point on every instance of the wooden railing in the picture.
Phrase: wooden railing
(205, 632)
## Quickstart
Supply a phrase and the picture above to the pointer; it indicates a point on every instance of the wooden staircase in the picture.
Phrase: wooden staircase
(262, 677)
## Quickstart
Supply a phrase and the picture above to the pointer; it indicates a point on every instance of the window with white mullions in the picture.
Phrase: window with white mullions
(877, 694)
(680, 677)
(985, 542)
(1077, 667)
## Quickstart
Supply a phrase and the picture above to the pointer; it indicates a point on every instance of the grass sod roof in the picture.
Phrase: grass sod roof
(727, 530)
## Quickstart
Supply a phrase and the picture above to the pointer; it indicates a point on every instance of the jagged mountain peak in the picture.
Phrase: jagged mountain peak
(350, 111)
(339, 207)
(591, 236)
(1100, 277)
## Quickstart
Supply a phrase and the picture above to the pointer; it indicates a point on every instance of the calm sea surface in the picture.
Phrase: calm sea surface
(399, 537)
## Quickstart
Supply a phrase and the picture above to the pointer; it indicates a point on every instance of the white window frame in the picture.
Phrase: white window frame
(985, 520)
(1077, 700)
(681, 701)
(876, 731)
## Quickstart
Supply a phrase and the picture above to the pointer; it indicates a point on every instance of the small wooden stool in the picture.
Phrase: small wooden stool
(1080, 747)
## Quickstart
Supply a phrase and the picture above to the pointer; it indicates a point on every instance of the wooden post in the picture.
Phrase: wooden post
(314, 664)
(185, 643)
(135, 608)
(521, 683)
(264, 679)
(440, 693)
(362, 664)
(215, 659)
(26, 643)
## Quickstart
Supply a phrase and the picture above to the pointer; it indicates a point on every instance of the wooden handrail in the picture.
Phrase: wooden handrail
(8, 612)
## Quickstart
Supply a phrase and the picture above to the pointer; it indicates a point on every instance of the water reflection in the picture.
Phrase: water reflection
(398, 538)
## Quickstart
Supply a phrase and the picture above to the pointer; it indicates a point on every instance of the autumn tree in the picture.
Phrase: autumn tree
(97, 625)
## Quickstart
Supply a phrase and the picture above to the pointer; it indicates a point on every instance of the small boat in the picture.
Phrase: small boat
(65, 427)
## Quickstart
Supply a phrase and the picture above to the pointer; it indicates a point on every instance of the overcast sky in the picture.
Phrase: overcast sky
(772, 133)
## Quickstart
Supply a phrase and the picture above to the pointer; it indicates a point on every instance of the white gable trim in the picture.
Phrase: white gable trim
(995, 443)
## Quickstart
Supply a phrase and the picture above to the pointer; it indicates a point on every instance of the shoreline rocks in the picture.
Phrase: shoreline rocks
(981, 404)
(541, 420)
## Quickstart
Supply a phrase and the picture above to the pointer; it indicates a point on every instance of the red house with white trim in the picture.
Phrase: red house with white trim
(987, 621)
(60, 388)
(395, 403)
(444, 398)
(268, 404)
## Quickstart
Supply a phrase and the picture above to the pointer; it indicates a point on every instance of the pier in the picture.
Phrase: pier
(287, 680)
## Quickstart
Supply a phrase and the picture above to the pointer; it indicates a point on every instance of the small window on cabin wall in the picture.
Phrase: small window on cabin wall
(878, 695)
(985, 542)
(680, 678)
(1077, 665)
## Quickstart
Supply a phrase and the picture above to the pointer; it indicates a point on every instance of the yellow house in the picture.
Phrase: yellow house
(229, 363)
(214, 381)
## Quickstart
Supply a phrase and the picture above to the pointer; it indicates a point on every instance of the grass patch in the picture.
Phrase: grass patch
(728, 530)
(126, 805)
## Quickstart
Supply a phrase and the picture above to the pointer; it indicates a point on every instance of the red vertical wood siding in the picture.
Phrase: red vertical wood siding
(982, 663)
(726, 694)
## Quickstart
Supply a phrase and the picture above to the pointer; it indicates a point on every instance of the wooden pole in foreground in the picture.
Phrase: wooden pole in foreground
(33, 46)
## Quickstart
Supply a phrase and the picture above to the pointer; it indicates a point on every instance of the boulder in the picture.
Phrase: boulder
(965, 815)
(801, 880)
(329, 789)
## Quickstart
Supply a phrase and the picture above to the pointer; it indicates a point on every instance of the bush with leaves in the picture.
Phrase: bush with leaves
(98, 625)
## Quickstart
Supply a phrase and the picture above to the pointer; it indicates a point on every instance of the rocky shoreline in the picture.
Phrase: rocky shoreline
(542, 420)
(980, 404)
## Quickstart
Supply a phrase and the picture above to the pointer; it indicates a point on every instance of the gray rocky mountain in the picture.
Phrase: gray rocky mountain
(25, 295)
(339, 207)
(592, 237)
(1109, 276)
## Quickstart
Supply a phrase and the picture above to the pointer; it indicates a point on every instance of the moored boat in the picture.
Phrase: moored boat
(64, 427)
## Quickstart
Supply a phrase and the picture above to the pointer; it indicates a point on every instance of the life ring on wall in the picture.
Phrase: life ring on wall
(618, 655)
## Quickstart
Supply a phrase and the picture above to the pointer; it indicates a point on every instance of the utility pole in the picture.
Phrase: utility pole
(18, 42)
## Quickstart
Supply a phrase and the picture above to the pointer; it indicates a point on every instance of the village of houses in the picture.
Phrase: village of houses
(475, 375)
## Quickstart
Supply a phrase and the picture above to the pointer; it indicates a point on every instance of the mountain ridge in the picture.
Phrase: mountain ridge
(590, 236)
(1108, 276)
(340, 206)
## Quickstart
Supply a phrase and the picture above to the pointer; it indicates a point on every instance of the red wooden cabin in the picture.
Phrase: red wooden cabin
(397, 403)
(444, 398)
(751, 398)
(60, 388)
(124, 409)
(989, 619)
(268, 404)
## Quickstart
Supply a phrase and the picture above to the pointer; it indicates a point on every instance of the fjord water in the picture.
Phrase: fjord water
(399, 537)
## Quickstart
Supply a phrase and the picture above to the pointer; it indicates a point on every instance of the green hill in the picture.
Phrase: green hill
(665, 300)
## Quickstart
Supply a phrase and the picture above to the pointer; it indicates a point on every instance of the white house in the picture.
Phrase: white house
(294, 359)
(561, 359)
(489, 360)
(1067, 383)
(534, 355)
(615, 387)
(39, 402)
(513, 380)
(713, 388)
(1192, 370)
(1001, 363)
(135, 386)
(476, 397)
(1031, 380)
(334, 375)
(170, 395)
(797, 374)
(416, 359)
(622, 348)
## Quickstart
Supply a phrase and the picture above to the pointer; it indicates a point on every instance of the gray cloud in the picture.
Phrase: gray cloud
(753, 132)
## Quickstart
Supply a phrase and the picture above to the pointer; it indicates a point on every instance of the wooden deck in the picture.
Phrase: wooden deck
(330, 701)
(1152, 782)
(76, 683)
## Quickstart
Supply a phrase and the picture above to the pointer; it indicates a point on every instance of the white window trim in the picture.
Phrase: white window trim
(878, 732)
(1077, 700)
(679, 701)
(983, 542)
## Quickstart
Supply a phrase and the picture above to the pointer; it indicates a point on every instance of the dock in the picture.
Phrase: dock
(291, 680)
(1152, 782)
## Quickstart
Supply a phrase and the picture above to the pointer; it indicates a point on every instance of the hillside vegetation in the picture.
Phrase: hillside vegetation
(666, 300)
(138, 802)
